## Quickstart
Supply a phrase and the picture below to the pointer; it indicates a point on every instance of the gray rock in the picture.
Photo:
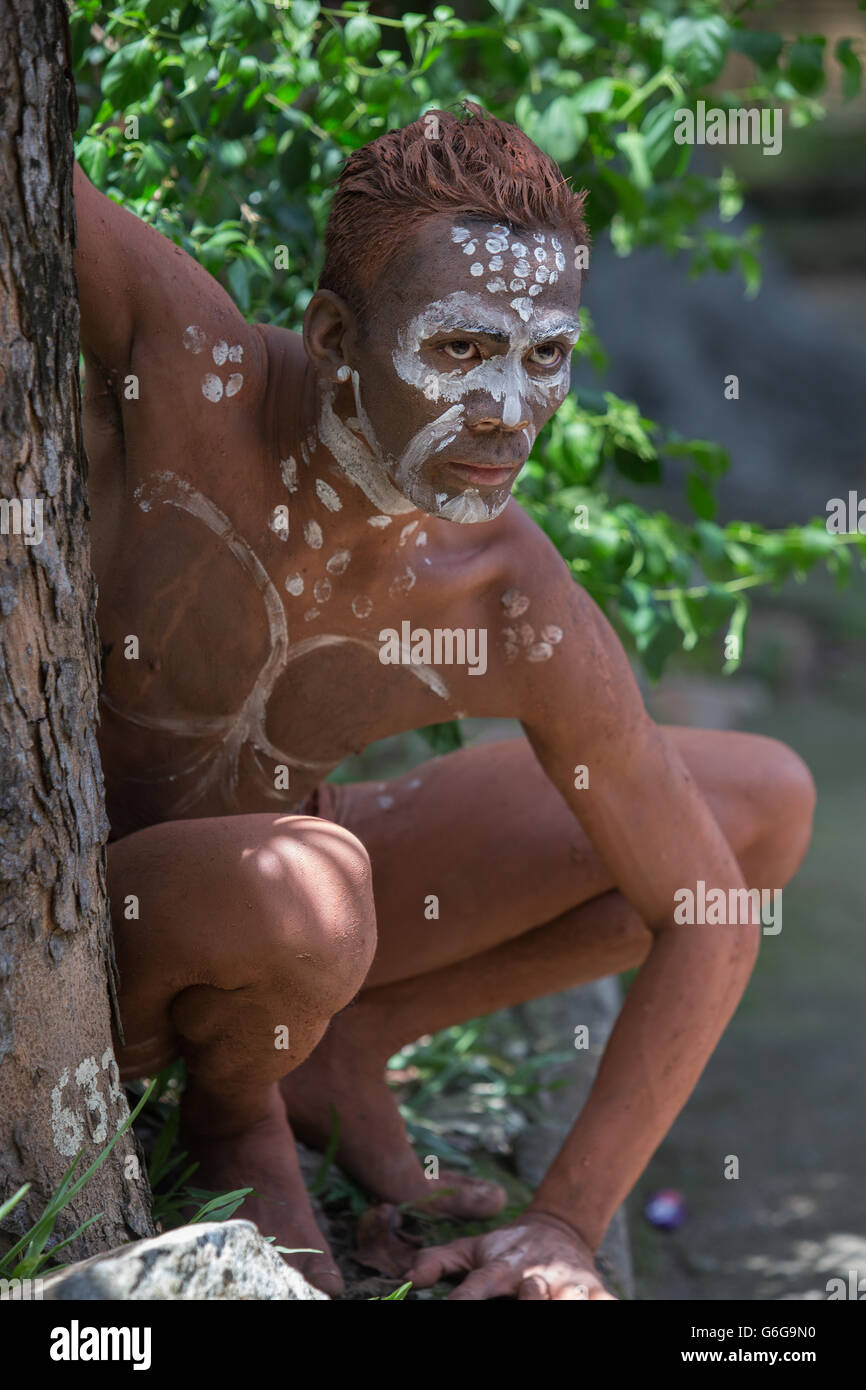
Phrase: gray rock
(214, 1260)
(549, 1024)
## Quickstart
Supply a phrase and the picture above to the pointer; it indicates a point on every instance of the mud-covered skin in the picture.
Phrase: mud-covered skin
(251, 535)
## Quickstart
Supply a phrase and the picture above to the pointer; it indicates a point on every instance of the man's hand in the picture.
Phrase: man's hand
(534, 1257)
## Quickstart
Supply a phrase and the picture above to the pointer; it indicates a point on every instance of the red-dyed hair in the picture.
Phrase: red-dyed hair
(476, 166)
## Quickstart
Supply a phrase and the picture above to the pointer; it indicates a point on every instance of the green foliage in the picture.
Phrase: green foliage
(244, 112)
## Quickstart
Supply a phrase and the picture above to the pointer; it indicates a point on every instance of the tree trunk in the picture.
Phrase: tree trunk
(59, 1089)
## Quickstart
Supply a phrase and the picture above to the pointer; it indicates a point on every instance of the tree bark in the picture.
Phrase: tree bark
(59, 1090)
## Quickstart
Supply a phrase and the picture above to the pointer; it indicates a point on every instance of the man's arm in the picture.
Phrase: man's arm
(139, 294)
(650, 824)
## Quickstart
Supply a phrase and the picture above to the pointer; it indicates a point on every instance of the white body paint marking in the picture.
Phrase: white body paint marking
(406, 532)
(339, 560)
(221, 765)
(289, 472)
(194, 339)
(403, 583)
(279, 523)
(322, 590)
(211, 387)
(360, 459)
(220, 352)
(310, 614)
(234, 384)
(476, 268)
(294, 585)
(514, 602)
(313, 535)
(379, 521)
(327, 496)
(421, 538)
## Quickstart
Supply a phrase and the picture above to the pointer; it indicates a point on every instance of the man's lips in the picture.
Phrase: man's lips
(483, 475)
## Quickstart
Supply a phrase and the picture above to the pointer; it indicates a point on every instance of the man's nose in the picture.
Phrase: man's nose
(501, 420)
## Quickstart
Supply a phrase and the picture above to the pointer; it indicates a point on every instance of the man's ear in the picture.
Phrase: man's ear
(329, 330)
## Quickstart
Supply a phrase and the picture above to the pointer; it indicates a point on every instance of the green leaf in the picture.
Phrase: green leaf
(633, 146)
(130, 73)
(806, 64)
(762, 47)
(443, 738)
(596, 95)
(701, 499)
(559, 130)
(509, 9)
(362, 34)
(851, 69)
(697, 47)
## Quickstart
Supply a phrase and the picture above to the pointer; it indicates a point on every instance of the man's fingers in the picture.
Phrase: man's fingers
(432, 1264)
(493, 1280)
(533, 1287)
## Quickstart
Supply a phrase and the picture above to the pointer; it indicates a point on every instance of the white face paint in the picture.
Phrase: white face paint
(396, 485)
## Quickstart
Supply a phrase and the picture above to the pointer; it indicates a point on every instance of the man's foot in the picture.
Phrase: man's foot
(264, 1157)
(374, 1148)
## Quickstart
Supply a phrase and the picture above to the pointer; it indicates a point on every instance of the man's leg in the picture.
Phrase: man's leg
(252, 931)
(526, 908)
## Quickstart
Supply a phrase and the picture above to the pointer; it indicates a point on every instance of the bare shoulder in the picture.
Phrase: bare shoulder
(565, 664)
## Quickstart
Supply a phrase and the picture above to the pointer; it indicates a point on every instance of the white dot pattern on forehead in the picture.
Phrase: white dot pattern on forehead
(521, 267)
(459, 234)
(294, 584)
(535, 289)
(539, 236)
(476, 268)
(540, 254)
(518, 249)
(542, 274)
(517, 285)
(496, 285)
(523, 307)
(556, 243)
(560, 261)
(362, 606)
(313, 534)
(495, 263)
(469, 248)
(495, 244)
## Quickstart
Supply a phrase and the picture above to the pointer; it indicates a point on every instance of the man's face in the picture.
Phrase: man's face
(466, 357)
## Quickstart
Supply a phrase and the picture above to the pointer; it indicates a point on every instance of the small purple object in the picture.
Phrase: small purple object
(666, 1209)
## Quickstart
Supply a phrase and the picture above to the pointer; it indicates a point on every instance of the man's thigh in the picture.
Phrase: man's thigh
(236, 902)
(485, 834)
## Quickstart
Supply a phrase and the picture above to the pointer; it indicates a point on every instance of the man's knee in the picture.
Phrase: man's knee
(312, 885)
(788, 798)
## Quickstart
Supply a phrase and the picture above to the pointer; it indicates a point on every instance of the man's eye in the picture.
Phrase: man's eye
(460, 350)
(546, 355)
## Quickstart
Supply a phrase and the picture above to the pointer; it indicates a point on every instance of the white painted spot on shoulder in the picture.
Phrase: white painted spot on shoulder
(310, 615)
(294, 585)
(476, 268)
(220, 352)
(403, 583)
(194, 339)
(551, 633)
(362, 606)
(211, 387)
(406, 532)
(289, 471)
(313, 534)
(322, 590)
(542, 651)
(279, 522)
(236, 353)
(379, 521)
(234, 384)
